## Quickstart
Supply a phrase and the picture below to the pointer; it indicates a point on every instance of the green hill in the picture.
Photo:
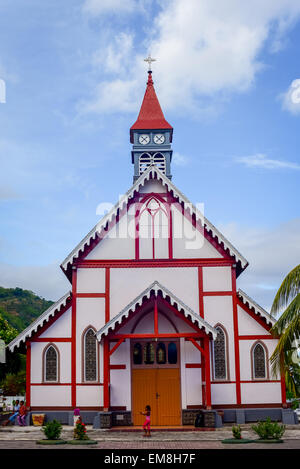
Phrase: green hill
(20, 307)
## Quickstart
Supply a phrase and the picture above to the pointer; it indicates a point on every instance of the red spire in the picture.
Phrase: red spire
(151, 115)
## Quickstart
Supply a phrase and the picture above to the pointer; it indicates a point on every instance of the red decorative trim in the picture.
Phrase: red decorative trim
(28, 373)
(118, 367)
(107, 294)
(236, 335)
(155, 317)
(73, 344)
(106, 374)
(158, 336)
(53, 339)
(143, 263)
(256, 337)
(194, 365)
(218, 293)
(207, 373)
(197, 346)
(116, 346)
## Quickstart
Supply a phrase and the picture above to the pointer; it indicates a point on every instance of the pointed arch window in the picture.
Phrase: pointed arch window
(220, 355)
(154, 223)
(90, 347)
(259, 361)
(51, 364)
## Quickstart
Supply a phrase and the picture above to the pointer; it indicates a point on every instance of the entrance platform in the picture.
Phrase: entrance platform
(157, 428)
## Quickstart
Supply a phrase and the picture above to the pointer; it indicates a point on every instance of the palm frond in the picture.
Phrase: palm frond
(288, 289)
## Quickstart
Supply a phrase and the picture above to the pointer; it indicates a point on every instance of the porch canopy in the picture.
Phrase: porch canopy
(156, 302)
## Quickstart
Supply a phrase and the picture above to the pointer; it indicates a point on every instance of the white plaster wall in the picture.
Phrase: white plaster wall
(188, 242)
(119, 243)
(120, 389)
(127, 284)
(58, 396)
(91, 280)
(191, 381)
(219, 310)
(90, 312)
(245, 357)
(61, 327)
(248, 325)
(224, 393)
(153, 185)
(64, 361)
(193, 386)
(89, 396)
(261, 393)
(217, 279)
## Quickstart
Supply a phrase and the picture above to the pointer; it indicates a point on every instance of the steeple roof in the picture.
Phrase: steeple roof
(151, 115)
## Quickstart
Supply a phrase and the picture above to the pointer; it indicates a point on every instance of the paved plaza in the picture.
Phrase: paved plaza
(25, 438)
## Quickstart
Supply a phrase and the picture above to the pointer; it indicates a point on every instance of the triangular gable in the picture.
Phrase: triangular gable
(46, 318)
(155, 289)
(256, 312)
(99, 230)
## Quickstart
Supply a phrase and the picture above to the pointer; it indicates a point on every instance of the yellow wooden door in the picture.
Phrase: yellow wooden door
(159, 388)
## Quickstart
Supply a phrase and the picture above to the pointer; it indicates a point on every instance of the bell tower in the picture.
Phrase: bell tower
(151, 135)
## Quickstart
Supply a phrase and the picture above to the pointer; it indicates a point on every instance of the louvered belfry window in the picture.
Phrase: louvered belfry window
(259, 362)
(51, 362)
(220, 371)
(90, 355)
(147, 159)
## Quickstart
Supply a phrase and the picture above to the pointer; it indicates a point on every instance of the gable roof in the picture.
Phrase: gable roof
(156, 288)
(62, 303)
(151, 115)
(258, 310)
(152, 173)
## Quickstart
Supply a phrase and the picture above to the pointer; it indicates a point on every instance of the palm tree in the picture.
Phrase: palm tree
(287, 328)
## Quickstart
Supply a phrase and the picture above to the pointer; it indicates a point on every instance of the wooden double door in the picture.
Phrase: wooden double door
(159, 388)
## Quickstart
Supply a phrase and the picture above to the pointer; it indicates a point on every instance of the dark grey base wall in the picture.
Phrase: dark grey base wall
(211, 418)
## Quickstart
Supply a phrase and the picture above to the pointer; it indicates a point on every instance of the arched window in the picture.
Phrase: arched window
(51, 364)
(259, 361)
(90, 355)
(220, 355)
(147, 159)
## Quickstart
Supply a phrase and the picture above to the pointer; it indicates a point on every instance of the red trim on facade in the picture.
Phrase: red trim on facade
(218, 293)
(194, 365)
(90, 295)
(116, 346)
(207, 373)
(155, 317)
(236, 335)
(106, 374)
(142, 263)
(53, 339)
(202, 351)
(256, 337)
(73, 343)
(158, 336)
(28, 374)
(118, 367)
(107, 294)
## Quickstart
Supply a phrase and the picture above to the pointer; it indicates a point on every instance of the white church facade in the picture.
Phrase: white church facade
(153, 315)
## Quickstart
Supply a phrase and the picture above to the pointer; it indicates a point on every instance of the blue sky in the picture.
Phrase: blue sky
(226, 76)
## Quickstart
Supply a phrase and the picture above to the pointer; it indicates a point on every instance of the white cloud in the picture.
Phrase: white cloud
(100, 7)
(260, 160)
(271, 252)
(179, 160)
(47, 281)
(291, 98)
(204, 49)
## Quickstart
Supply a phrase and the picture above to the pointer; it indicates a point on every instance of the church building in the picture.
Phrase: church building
(153, 315)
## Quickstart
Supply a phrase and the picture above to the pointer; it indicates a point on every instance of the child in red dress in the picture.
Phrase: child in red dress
(146, 425)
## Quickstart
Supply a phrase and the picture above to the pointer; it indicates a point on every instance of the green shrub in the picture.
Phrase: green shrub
(237, 432)
(268, 430)
(52, 430)
(80, 431)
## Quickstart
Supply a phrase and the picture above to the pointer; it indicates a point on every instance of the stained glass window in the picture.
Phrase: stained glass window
(161, 353)
(172, 353)
(90, 355)
(149, 353)
(220, 355)
(51, 364)
(259, 361)
(137, 354)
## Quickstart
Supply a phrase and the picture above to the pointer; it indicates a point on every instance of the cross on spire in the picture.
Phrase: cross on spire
(149, 59)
